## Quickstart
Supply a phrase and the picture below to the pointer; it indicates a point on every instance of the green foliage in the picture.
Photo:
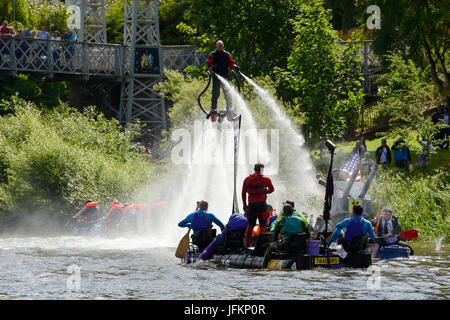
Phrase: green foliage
(407, 93)
(52, 15)
(258, 33)
(420, 33)
(420, 201)
(115, 17)
(21, 14)
(56, 159)
(34, 89)
(171, 14)
(322, 77)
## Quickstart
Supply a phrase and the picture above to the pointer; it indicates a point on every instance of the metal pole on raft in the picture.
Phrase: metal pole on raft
(328, 193)
(237, 129)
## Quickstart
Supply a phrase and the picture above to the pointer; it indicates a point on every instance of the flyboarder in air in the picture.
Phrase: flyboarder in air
(220, 62)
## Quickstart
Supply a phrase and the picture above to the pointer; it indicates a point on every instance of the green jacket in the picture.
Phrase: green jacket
(289, 226)
(295, 213)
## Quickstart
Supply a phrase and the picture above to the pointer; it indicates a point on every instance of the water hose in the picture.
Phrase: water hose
(210, 72)
(200, 95)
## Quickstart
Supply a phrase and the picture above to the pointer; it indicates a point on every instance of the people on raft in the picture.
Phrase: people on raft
(357, 231)
(130, 215)
(114, 215)
(288, 226)
(387, 230)
(220, 62)
(231, 240)
(201, 222)
(257, 186)
(87, 215)
(295, 213)
(272, 216)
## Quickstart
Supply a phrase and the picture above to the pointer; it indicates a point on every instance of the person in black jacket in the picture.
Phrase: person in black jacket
(388, 230)
(220, 62)
(383, 154)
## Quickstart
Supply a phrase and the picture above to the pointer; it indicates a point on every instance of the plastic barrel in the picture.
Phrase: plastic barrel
(312, 247)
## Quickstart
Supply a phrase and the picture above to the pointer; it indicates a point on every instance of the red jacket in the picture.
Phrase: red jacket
(257, 187)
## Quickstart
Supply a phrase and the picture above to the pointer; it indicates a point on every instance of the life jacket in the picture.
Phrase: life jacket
(292, 225)
(256, 188)
(200, 221)
(220, 59)
(90, 211)
(354, 229)
(115, 212)
(136, 206)
(91, 204)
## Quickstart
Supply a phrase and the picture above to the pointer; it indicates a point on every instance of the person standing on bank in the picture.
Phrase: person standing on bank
(220, 62)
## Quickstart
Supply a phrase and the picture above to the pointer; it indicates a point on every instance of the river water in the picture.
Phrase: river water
(140, 268)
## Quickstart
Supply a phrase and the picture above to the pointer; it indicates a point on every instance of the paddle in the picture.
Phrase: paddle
(409, 234)
(183, 246)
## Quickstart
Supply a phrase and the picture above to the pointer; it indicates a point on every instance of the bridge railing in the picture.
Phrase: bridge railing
(60, 57)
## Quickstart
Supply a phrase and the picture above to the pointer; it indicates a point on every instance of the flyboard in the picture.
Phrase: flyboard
(219, 115)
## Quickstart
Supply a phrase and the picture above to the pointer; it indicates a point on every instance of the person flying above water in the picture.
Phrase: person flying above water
(220, 61)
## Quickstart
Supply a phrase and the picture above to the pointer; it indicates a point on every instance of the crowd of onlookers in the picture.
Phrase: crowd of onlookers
(26, 51)
(401, 151)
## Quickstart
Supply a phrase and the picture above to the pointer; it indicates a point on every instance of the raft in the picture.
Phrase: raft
(394, 251)
(282, 261)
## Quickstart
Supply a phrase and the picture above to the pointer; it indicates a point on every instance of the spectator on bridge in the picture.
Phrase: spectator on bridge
(6, 33)
(44, 36)
(56, 50)
(383, 154)
(69, 38)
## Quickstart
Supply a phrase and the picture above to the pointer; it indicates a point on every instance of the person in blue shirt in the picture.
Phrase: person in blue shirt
(356, 226)
(200, 220)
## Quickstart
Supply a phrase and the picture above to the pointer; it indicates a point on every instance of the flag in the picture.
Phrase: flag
(237, 129)
(350, 167)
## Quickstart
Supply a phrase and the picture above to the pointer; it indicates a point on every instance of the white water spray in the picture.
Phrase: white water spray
(298, 173)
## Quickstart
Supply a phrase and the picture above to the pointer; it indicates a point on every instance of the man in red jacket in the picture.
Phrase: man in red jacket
(257, 186)
(220, 61)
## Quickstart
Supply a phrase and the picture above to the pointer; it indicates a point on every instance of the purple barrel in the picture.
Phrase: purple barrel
(312, 247)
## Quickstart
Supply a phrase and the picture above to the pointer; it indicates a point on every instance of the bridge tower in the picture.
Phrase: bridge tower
(142, 66)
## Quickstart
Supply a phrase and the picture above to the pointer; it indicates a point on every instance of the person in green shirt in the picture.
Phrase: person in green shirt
(289, 225)
(295, 213)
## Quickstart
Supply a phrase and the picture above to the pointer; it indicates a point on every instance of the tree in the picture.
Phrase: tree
(322, 78)
(406, 95)
(258, 33)
(421, 33)
(7, 12)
